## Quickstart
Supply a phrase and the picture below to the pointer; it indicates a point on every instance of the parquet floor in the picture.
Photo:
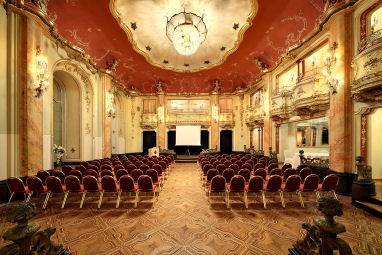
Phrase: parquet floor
(182, 222)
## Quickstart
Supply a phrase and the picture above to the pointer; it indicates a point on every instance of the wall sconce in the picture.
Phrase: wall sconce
(41, 72)
(215, 113)
(329, 62)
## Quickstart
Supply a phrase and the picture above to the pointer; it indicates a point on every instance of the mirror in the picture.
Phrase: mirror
(312, 133)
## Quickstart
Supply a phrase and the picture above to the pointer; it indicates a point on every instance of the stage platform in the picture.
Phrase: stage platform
(186, 158)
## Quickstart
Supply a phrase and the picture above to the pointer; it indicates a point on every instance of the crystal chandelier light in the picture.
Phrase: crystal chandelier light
(186, 31)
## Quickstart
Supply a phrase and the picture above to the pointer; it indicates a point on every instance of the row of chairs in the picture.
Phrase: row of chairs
(90, 184)
(257, 185)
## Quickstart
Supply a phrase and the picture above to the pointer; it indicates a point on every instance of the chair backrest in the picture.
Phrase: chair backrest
(66, 169)
(246, 173)
(153, 174)
(94, 167)
(106, 167)
(256, 184)
(272, 166)
(72, 183)
(60, 175)
(138, 163)
(126, 183)
(163, 165)
(42, 174)
(289, 172)
(218, 184)
(76, 173)
(35, 184)
(258, 165)
(330, 182)
(286, 166)
(54, 185)
(81, 168)
(105, 172)
(206, 168)
(130, 167)
(91, 172)
(239, 163)
(292, 183)
(158, 168)
(150, 163)
(237, 183)
(273, 161)
(247, 166)
(118, 167)
(235, 167)
(311, 183)
(305, 172)
(211, 173)
(145, 183)
(274, 183)
(108, 184)
(227, 163)
(120, 173)
(16, 185)
(221, 167)
(144, 168)
(136, 173)
(228, 174)
(90, 183)
(275, 171)
(85, 164)
(261, 172)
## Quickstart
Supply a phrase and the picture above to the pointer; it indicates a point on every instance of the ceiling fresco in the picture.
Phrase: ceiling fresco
(105, 32)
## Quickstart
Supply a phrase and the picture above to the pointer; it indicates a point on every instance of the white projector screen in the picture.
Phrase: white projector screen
(187, 135)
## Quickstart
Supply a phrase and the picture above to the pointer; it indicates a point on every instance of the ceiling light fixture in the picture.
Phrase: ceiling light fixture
(186, 31)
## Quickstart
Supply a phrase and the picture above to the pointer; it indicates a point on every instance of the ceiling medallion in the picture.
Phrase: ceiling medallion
(181, 37)
(186, 31)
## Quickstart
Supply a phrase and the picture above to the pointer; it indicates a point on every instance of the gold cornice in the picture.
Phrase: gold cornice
(116, 15)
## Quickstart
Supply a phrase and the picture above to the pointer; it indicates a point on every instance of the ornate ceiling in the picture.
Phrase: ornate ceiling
(133, 33)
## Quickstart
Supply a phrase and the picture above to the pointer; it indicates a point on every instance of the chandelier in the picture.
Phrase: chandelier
(186, 31)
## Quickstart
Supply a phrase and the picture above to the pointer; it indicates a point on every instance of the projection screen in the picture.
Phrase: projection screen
(187, 135)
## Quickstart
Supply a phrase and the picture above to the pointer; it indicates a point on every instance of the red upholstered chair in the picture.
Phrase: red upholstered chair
(228, 174)
(291, 185)
(275, 171)
(255, 186)
(80, 168)
(42, 174)
(304, 173)
(118, 167)
(286, 166)
(136, 173)
(105, 172)
(60, 175)
(261, 172)
(92, 172)
(272, 166)
(154, 177)
(130, 167)
(246, 173)
(120, 173)
(85, 164)
(288, 172)
(16, 186)
(247, 166)
(205, 170)
(138, 163)
(273, 161)
(237, 186)
(258, 165)
(35, 186)
(218, 187)
(126, 184)
(90, 185)
(163, 164)
(145, 186)
(329, 184)
(239, 163)
(227, 163)
(216, 163)
(158, 168)
(210, 174)
(235, 167)
(106, 167)
(144, 168)
(310, 184)
(94, 167)
(53, 186)
(73, 185)
(273, 185)
(221, 167)
(109, 185)
(66, 169)
(76, 173)
(150, 163)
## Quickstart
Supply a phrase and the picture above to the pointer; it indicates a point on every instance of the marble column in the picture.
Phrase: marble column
(161, 121)
(106, 120)
(214, 123)
(340, 125)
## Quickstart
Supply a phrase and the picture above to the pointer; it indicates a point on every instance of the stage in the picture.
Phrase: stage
(186, 158)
